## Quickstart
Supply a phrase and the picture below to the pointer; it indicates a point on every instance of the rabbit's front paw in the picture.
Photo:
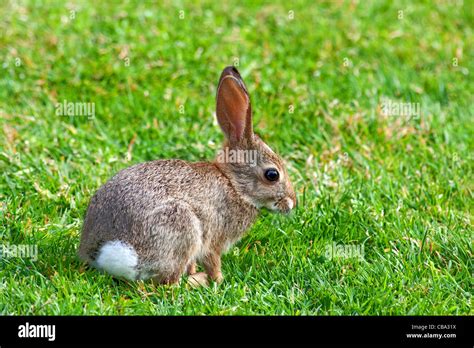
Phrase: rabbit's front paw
(219, 278)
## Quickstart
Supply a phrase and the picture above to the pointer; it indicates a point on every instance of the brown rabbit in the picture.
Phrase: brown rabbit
(156, 219)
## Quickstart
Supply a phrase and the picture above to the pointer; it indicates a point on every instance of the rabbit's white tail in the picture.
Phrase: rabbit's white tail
(119, 259)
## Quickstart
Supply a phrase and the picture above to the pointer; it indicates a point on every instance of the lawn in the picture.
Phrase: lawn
(395, 187)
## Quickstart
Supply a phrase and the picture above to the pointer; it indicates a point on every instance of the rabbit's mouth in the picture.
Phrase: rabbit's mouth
(283, 205)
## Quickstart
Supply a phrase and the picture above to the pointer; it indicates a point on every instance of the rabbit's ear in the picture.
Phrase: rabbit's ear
(233, 109)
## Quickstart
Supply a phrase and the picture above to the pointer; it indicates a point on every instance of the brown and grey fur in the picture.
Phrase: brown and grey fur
(174, 213)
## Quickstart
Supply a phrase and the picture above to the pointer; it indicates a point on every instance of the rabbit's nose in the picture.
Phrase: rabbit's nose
(290, 203)
(291, 196)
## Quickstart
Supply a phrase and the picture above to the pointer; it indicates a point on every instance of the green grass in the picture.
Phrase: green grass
(399, 186)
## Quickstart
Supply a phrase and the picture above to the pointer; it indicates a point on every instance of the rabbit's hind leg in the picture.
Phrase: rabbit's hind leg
(173, 243)
(191, 268)
(198, 279)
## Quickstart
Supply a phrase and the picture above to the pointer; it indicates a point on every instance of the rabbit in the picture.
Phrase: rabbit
(156, 219)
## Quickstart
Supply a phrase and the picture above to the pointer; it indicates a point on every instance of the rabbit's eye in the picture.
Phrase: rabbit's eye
(272, 174)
